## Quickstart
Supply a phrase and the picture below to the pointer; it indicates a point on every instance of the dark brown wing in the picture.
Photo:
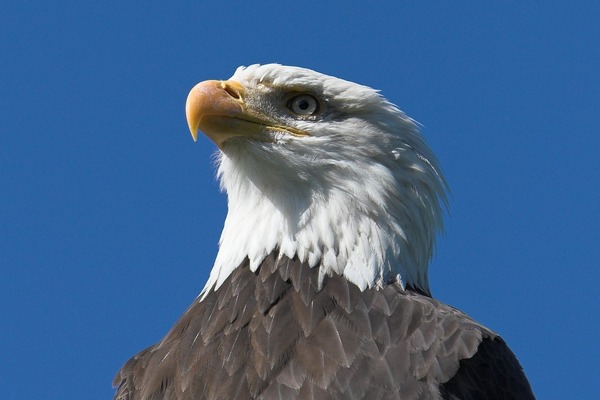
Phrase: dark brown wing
(493, 373)
(277, 334)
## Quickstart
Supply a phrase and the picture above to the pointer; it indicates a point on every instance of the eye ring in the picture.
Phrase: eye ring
(303, 105)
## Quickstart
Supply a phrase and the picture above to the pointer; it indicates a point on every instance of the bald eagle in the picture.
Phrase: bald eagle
(320, 288)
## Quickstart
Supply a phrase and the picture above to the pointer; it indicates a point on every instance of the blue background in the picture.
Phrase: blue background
(110, 214)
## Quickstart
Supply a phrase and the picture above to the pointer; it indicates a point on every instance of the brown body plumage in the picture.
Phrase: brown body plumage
(274, 335)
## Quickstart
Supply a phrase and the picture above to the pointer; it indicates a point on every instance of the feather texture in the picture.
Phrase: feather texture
(274, 334)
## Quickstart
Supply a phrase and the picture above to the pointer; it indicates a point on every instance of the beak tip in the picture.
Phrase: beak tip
(194, 133)
(193, 126)
(191, 113)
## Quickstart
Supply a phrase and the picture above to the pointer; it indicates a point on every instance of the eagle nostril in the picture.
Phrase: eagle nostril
(231, 91)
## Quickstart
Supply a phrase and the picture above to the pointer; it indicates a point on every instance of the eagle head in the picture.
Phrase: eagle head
(321, 169)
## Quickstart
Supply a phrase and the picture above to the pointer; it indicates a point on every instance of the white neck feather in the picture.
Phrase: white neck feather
(365, 221)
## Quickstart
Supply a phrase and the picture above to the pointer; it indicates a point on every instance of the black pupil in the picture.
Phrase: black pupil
(303, 105)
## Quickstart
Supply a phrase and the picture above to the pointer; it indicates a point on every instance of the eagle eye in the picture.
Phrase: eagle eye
(303, 105)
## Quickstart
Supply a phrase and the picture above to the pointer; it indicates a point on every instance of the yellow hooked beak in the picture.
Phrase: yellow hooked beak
(218, 109)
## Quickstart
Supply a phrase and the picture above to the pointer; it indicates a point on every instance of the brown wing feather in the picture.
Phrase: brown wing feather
(276, 335)
(493, 373)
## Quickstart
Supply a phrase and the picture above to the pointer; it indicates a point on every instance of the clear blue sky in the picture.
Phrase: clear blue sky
(110, 214)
